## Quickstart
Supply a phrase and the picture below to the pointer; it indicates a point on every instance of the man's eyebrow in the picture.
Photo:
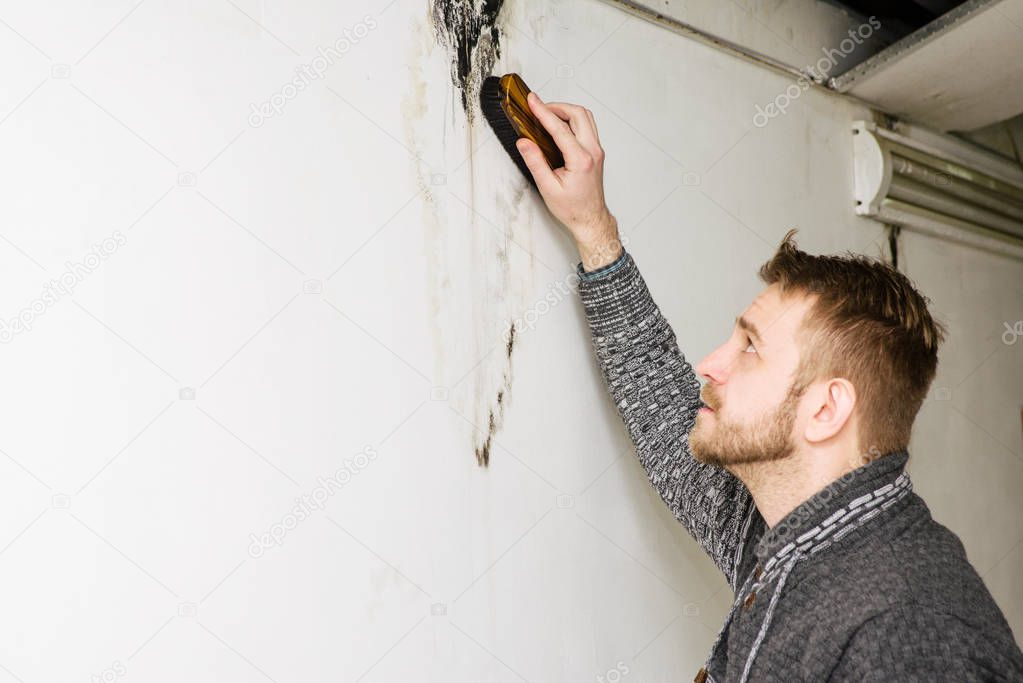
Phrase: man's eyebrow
(744, 324)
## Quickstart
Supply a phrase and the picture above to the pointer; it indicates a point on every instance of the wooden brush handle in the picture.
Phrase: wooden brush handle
(516, 108)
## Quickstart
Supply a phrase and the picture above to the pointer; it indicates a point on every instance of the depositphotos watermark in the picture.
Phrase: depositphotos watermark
(817, 73)
(325, 58)
(1012, 332)
(314, 501)
(615, 674)
(74, 273)
(558, 291)
(820, 500)
(109, 674)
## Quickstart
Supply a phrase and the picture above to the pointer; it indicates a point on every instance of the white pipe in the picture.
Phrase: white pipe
(927, 197)
(953, 149)
(955, 186)
(947, 228)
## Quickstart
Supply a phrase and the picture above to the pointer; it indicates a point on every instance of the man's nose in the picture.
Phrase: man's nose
(714, 367)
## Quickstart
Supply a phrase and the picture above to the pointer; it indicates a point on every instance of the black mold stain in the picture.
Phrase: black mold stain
(497, 411)
(483, 450)
(469, 30)
(511, 343)
(493, 424)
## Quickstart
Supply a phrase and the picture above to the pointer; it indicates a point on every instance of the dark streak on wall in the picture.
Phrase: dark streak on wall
(497, 412)
(511, 342)
(469, 30)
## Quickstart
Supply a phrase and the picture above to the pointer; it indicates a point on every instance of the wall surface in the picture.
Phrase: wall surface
(252, 354)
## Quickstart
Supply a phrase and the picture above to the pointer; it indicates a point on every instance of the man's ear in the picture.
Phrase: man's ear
(832, 407)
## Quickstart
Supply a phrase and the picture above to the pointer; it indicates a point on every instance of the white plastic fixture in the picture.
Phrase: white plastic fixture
(939, 185)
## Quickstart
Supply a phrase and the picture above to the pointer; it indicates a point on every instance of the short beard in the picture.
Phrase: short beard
(768, 439)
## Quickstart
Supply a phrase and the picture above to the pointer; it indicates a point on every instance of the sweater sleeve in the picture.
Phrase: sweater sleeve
(657, 394)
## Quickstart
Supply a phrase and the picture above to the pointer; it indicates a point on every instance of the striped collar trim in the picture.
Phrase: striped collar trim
(835, 506)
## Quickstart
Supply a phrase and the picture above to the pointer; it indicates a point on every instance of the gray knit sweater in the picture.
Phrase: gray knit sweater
(858, 583)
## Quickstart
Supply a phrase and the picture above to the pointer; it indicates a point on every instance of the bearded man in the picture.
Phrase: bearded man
(788, 466)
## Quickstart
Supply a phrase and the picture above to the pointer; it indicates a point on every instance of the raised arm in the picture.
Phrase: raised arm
(657, 394)
(653, 387)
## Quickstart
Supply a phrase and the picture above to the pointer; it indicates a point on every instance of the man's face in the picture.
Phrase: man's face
(749, 385)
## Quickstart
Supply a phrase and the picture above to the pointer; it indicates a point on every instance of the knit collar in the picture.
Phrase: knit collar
(882, 477)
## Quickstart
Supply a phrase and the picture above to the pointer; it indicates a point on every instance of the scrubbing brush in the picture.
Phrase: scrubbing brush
(504, 105)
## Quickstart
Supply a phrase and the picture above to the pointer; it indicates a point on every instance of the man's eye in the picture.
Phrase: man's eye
(750, 349)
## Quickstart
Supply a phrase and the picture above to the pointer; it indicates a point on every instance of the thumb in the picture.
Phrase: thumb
(536, 162)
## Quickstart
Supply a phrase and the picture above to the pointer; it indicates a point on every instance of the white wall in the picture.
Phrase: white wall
(127, 505)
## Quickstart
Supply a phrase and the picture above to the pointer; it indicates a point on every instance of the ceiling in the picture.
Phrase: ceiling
(899, 18)
(952, 65)
(959, 72)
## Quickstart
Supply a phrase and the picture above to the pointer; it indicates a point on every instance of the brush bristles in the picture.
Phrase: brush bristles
(490, 105)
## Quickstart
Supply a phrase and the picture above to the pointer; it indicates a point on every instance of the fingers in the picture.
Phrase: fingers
(563, 136)
(537, 164)
(582, 124)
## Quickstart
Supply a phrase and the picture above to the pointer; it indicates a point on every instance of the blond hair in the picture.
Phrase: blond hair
(869, 325)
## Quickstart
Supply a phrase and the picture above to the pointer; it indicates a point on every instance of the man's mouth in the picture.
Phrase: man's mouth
(706, 406)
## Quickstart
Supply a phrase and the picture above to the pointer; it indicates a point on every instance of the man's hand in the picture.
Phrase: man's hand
(575, 193)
